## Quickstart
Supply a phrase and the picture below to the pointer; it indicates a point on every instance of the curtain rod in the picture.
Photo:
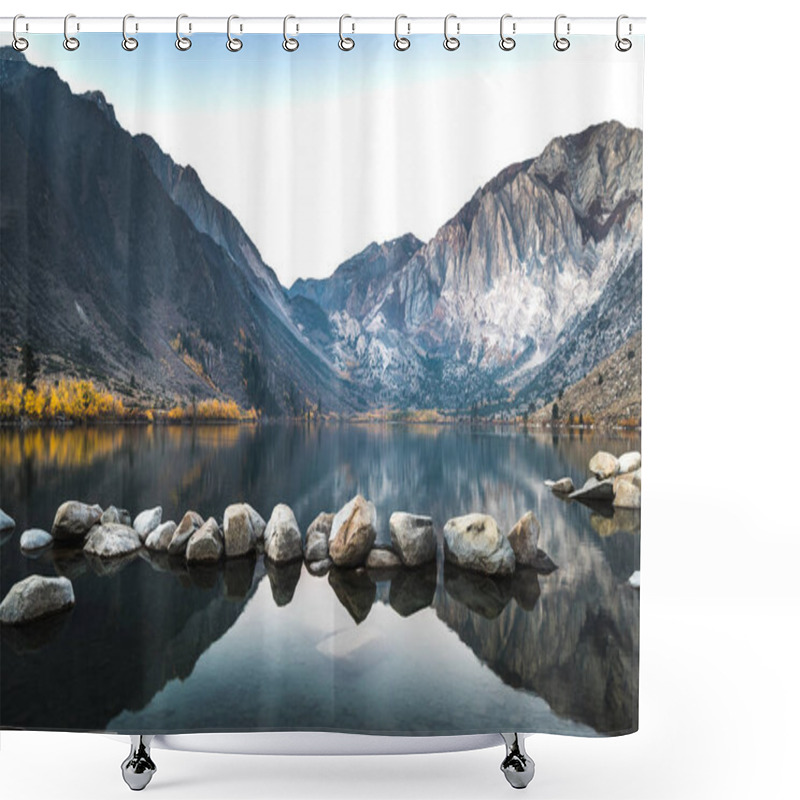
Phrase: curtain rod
(352, 24)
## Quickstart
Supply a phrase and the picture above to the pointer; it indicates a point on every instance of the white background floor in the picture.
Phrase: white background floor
(721, 539)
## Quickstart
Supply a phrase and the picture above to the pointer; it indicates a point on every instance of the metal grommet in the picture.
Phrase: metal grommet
(183, 43)
(561, 43)
(128, 42)
(507, 42)
(623, 45)
(19, 43)
(345, 42)
(289, 44)
(70, 42)
(233, 44)
(400, 42)
(451, 42)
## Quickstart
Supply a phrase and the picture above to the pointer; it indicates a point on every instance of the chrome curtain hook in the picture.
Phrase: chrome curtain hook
(561, 43)
(400, 42)
(345, 42)
(181, 42)
(507, 42)
(128, 42)
(70, 42)
(19, 43)
(289, 44)
(623, 45)
(233, 44)
(451, 42)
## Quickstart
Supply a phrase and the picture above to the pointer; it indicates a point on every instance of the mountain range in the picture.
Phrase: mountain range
(117, 263)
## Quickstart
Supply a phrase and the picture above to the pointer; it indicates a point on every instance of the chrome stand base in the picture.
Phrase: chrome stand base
(138, 768)
(517, 766)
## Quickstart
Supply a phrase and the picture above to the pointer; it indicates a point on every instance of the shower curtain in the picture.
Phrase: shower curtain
(320, 382)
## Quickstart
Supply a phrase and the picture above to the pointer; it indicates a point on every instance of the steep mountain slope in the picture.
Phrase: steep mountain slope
(540, 264)
(115, 262)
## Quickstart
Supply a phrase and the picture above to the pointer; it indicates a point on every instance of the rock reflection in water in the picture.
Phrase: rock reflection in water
(624, 520)
(411, 590)
(355, 590)
(283, 580)
(486, 595)
(237, 576)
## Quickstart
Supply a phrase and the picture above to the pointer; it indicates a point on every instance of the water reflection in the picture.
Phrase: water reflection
(151, 638)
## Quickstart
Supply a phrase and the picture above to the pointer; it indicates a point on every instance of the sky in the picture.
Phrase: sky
(320, 152)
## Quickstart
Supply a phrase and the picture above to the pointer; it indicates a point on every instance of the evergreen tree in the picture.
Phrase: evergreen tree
(28, 367)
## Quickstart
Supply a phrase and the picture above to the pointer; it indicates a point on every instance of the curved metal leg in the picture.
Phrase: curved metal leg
(138, 768)
(517, 766)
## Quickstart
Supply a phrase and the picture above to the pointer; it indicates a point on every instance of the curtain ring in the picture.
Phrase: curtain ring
(345, 42)
(451, 42)
(70, 42)
(181, 42)
(289, 44)
(623, 45)
(561, 43)
(19, 43)
(128, 42)
(233, 44)
(400, 42)
(506, 42)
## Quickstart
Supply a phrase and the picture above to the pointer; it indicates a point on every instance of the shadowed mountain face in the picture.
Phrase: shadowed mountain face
(532, 283)
(118, 261)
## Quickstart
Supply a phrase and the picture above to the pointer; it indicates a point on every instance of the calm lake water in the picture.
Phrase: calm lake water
(154, 646)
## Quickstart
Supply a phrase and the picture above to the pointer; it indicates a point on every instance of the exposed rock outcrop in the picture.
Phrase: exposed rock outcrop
(353, 533)
(476, 543)
(413, 538)
(36, 597)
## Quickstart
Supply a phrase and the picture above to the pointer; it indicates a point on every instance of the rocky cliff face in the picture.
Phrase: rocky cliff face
(542, 264)
(116, 262)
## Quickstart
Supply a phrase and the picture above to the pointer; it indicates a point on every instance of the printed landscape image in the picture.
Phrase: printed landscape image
(401, 498)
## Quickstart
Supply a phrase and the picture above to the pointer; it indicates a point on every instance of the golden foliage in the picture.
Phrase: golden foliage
(72, 400)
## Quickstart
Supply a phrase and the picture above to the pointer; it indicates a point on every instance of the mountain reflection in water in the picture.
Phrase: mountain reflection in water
(153, 644)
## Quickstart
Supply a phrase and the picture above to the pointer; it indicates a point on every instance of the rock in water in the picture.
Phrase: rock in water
(319, 568)
(413, 538)
(35, 539)
(159, 539)
(282, 540)
(630, 462)
(6, 523)
(380, 558)
(205, 544)
(353, 533)
(627, 495)
(316, 546)
(112, 540)
(524, 539)
(238, 530)
(561, 486)
(36, 597)
(121, 516)
(594, 489)
(147, 521)
(188, 525)
(635, 579)
(317, 535)
(475, 542)
(603, 465)
(74, 520)
(259, 523)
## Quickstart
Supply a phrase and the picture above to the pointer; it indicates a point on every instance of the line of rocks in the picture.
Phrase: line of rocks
(345, 539)
(613, 479)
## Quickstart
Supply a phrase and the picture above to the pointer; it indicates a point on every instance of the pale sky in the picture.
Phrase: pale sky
(320, 152)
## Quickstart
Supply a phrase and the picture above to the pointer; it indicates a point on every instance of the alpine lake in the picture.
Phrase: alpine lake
(156, 645)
